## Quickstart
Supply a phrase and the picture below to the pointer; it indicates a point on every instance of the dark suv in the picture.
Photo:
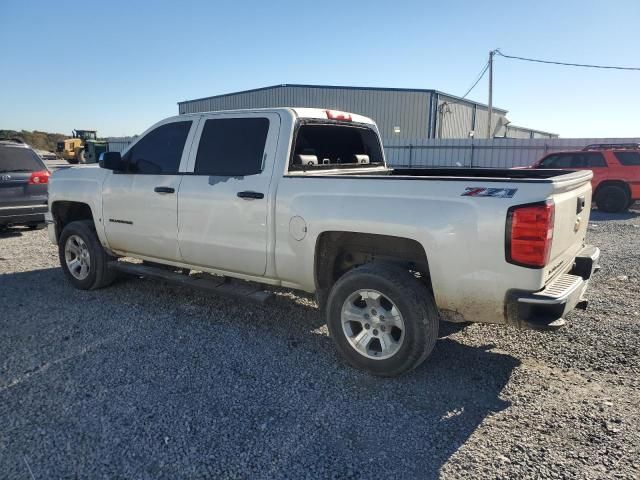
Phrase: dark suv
(23, 186)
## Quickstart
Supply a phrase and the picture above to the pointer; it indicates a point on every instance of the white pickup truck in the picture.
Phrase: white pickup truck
(302, 198)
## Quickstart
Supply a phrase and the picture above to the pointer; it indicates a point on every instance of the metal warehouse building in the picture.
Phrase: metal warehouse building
(404, 116)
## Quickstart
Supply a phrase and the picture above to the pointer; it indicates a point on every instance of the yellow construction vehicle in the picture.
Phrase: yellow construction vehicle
(82, 147)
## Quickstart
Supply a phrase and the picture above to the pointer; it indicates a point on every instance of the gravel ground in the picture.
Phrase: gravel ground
(145, 380)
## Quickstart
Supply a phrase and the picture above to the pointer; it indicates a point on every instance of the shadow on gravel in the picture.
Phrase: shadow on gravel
(10, 232)
(598, 216)
(147, 380)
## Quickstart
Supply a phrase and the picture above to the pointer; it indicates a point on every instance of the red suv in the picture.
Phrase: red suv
(615, 167)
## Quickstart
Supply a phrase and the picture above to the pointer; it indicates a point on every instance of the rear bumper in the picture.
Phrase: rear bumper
(544, 310)
(22, 215)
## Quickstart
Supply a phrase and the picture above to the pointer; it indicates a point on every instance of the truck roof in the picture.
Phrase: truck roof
(300, 112)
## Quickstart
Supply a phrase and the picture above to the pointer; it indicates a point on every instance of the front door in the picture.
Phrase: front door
(140, 205)
(223, 203)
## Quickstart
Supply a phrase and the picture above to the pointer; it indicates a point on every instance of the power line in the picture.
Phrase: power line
(484, 70)
(609, 67)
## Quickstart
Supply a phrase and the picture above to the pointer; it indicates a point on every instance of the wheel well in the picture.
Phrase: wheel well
(613, 183)
(339, 252)
(67, 212)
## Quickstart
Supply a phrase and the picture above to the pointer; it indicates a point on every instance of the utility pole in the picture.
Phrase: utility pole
(491, 54)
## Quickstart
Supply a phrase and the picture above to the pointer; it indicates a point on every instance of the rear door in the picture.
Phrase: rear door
(140, 205)
(593, 161)
(223, 203)
(17, 164)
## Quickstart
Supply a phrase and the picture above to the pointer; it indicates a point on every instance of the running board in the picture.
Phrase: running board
(208, 283)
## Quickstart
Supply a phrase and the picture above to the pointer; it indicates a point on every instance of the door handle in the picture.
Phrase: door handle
(250, 195)
(164, 190)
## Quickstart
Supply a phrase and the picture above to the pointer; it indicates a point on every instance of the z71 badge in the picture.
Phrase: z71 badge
(489, 192)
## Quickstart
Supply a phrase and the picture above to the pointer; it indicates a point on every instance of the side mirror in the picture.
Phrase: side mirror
(111, 161)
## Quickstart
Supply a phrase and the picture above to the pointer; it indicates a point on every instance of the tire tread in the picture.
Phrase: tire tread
(99, 258)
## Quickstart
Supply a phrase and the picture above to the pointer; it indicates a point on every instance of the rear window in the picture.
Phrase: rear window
(629, 159)
(334, 146)
(19, 159)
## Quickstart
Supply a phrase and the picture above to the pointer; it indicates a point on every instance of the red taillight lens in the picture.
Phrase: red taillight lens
(337, 115)
(38, 178)
(529, 234)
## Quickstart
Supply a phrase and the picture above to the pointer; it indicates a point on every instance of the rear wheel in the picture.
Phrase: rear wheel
(82, 257)
(612, 199)
(382, 319)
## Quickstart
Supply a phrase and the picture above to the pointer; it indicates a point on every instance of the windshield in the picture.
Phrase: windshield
(86, 135)
(19, 159)
(330, 145)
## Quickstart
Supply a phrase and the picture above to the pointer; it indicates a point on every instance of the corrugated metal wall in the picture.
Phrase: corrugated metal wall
(494, 153)
(517, 132)
(119, 144)
(454, 119)
(408, 110)
(405, 117)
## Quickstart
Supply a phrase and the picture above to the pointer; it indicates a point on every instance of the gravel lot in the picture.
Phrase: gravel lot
(144, 380)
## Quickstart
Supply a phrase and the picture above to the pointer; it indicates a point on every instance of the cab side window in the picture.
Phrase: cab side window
(589, 160)
(232, 146)
(629, 159)
(574, 160)
(559, 160)
(160, 150)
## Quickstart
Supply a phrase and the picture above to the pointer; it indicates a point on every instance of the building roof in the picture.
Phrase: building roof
(342, 87)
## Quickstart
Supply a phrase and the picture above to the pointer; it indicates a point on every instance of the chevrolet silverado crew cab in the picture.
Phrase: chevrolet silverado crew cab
(303, 199)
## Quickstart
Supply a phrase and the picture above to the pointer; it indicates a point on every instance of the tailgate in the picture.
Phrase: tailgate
(16, 191)
(572, 200)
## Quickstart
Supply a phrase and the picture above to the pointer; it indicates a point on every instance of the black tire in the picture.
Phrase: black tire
(415, 303)
(99, 274)
(612, 199)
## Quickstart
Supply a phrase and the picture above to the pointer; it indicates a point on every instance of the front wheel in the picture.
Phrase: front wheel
(82, 257)
(382, 319)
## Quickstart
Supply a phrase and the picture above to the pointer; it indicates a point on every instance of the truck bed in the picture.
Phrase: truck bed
(436, 173)
(493, 173)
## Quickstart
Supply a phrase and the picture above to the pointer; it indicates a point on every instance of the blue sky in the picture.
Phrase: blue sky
(120, 66)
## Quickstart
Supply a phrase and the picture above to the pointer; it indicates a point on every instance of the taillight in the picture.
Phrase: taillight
(40, 177)
(529, 234)
(338, 115)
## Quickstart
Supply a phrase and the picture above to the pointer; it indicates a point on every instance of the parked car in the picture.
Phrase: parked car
(23, 186)
(615, 167)
(303, 198)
